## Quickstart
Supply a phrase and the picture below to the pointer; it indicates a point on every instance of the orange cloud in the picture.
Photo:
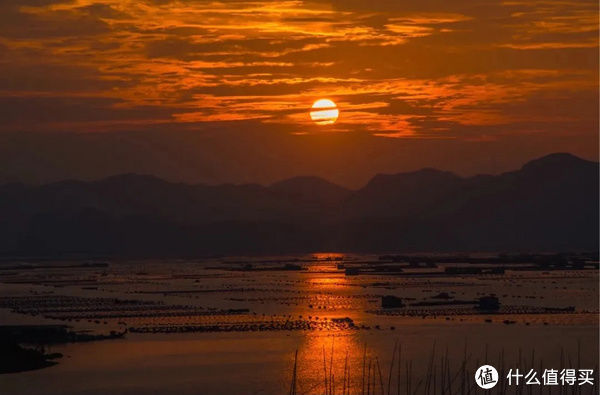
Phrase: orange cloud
(420, 70)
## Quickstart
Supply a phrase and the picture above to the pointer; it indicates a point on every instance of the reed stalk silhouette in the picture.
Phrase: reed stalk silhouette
(443, 376)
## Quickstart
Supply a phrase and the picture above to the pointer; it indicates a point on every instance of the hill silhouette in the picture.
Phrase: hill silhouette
(550, 204)
(310, 189)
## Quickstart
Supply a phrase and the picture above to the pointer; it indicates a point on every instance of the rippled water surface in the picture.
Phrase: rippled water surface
(233, 325)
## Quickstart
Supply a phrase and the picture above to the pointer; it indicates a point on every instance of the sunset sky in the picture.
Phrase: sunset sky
(221, 91)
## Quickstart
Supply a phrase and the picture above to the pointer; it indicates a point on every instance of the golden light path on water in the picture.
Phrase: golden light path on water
(330, 361)
(388, 354)
(325, 112)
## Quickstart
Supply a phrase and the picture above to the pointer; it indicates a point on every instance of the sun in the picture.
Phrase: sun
(324, 112)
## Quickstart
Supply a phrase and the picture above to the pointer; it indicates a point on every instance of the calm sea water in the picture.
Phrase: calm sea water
(261, 362)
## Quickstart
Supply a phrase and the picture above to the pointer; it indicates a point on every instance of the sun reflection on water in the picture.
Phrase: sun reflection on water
(329, 362)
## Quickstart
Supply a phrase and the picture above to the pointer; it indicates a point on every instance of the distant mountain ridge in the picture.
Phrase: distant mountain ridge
(310, 189)
(550, 204)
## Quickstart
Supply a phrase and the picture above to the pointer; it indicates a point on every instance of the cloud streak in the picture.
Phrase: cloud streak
(415, 69)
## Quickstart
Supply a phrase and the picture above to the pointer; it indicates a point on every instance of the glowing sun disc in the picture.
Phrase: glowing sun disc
(324, 112)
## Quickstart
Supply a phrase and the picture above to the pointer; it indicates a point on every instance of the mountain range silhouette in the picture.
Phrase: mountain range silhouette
(550, 204)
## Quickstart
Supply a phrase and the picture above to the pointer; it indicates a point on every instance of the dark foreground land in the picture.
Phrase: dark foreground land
(22, 347)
